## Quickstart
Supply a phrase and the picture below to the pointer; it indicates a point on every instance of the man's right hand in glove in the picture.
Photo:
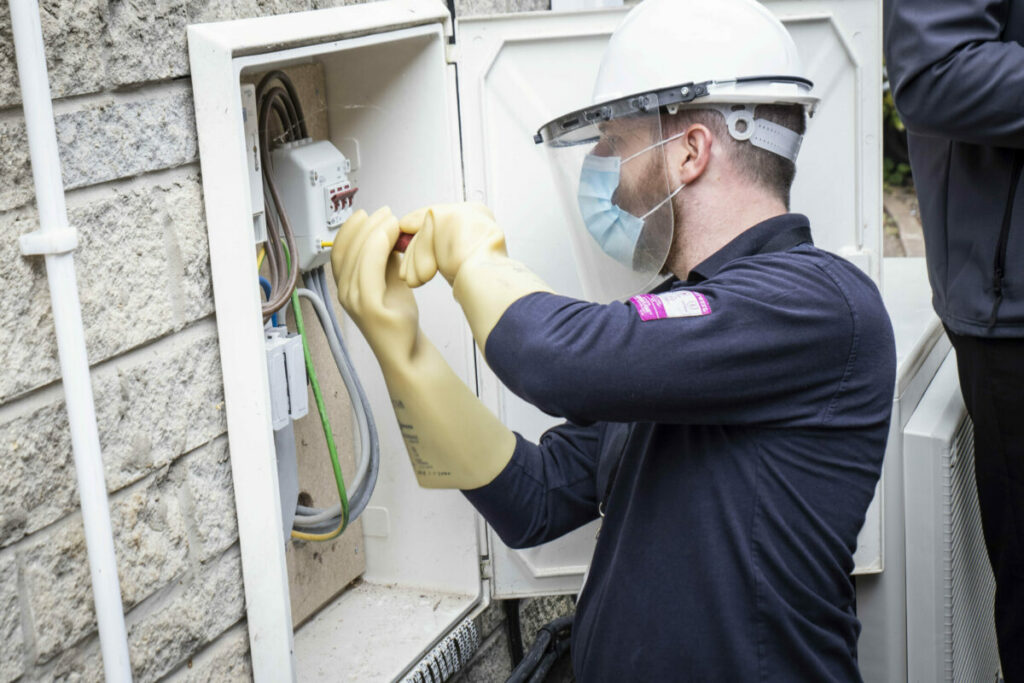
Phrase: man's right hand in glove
(452, 439)
(464, 243)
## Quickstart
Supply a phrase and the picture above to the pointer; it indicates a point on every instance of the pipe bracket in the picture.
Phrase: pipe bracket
(49, 242)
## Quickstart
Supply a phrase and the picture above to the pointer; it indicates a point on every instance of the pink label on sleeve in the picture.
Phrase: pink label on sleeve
(680, 304)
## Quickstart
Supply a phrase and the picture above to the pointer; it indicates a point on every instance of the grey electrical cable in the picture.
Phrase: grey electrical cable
(285, 104)
(319, 279)
(369, 465)
(325, 520)
(361, 403)
(358, 408)
(322, 521)
(312, 516)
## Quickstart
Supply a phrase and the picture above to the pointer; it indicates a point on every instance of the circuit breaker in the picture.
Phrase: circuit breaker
(313, 179)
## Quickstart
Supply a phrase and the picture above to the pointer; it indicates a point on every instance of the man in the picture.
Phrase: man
(957, 73)
(729, 427)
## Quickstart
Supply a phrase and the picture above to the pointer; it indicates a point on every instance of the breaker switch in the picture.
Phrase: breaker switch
(341, 197)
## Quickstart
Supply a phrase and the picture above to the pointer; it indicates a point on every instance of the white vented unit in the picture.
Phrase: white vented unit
(950, 629)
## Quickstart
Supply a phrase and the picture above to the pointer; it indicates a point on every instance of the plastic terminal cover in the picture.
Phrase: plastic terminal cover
(286, 368)
(295, 365)
(278, 375)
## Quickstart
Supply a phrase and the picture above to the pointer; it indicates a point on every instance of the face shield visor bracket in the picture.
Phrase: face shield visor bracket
(581, 126)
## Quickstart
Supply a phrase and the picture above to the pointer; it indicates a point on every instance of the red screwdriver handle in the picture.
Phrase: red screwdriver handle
(403, 242)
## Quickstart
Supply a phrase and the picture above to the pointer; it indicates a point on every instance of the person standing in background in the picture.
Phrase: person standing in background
(957, 74)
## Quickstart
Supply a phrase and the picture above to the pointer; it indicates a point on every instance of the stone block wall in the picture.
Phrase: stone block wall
(128, 145)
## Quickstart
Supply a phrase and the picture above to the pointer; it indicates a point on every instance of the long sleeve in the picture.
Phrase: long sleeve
(546, 490)
(776, 348)
(953, 72)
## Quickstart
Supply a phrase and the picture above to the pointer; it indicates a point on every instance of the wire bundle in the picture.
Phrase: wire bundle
(277, 97)
(283, 103)
(316, 524)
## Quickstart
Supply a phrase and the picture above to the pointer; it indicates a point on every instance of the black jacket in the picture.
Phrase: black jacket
(957, 74)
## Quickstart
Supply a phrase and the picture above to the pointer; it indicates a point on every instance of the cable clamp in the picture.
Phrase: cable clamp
(49, 242)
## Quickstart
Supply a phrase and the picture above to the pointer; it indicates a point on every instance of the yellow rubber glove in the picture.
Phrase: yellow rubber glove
(465, 245)
(452, 439)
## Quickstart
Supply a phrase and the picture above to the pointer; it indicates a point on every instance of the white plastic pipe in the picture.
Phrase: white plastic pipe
(56, 240)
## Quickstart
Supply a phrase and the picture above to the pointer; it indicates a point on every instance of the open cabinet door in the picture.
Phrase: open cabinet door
(517, 72)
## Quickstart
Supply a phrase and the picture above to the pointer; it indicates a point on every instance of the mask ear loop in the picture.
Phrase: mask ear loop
(650, 147)
(647, 149)
(663, 201)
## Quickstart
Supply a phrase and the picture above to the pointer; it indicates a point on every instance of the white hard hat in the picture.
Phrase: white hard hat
(674, 53)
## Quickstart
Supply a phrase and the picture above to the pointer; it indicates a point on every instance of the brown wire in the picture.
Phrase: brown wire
(280, 295)
(273, 269)
(276, 96)
(292, 98)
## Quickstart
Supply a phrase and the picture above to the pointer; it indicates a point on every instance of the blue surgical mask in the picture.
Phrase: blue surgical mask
(616, 230)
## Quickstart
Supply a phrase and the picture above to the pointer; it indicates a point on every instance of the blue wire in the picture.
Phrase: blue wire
(265, 284)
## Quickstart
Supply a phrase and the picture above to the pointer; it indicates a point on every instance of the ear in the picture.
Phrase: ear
(692, 153)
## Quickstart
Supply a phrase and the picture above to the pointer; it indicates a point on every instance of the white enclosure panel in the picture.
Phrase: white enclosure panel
(921, 348)
(411, 617)
(518, 72)
(838, 181)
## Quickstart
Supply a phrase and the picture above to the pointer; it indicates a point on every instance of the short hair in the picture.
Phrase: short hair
(767, 169)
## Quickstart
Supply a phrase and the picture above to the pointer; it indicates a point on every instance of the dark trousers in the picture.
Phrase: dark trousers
(992, 382)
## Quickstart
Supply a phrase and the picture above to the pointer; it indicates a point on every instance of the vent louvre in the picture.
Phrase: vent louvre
(971, 651)
(448, 657)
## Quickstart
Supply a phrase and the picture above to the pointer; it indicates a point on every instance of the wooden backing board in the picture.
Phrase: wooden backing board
(319, 571)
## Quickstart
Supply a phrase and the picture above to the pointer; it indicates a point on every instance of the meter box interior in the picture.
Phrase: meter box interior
(425, 118)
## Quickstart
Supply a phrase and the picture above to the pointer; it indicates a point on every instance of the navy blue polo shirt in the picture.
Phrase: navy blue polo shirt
(732, 427)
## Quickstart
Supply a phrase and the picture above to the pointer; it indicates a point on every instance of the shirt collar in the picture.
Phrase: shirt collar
(755, 240)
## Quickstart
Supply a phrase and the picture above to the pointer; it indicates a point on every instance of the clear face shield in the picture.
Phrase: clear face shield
(610, 165)
(618, 194)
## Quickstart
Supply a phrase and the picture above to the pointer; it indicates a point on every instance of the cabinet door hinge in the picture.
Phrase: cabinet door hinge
(485, 568)
(451, 53)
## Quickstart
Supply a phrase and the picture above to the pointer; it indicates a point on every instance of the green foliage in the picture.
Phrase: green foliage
(891, 117)
(895, 174)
